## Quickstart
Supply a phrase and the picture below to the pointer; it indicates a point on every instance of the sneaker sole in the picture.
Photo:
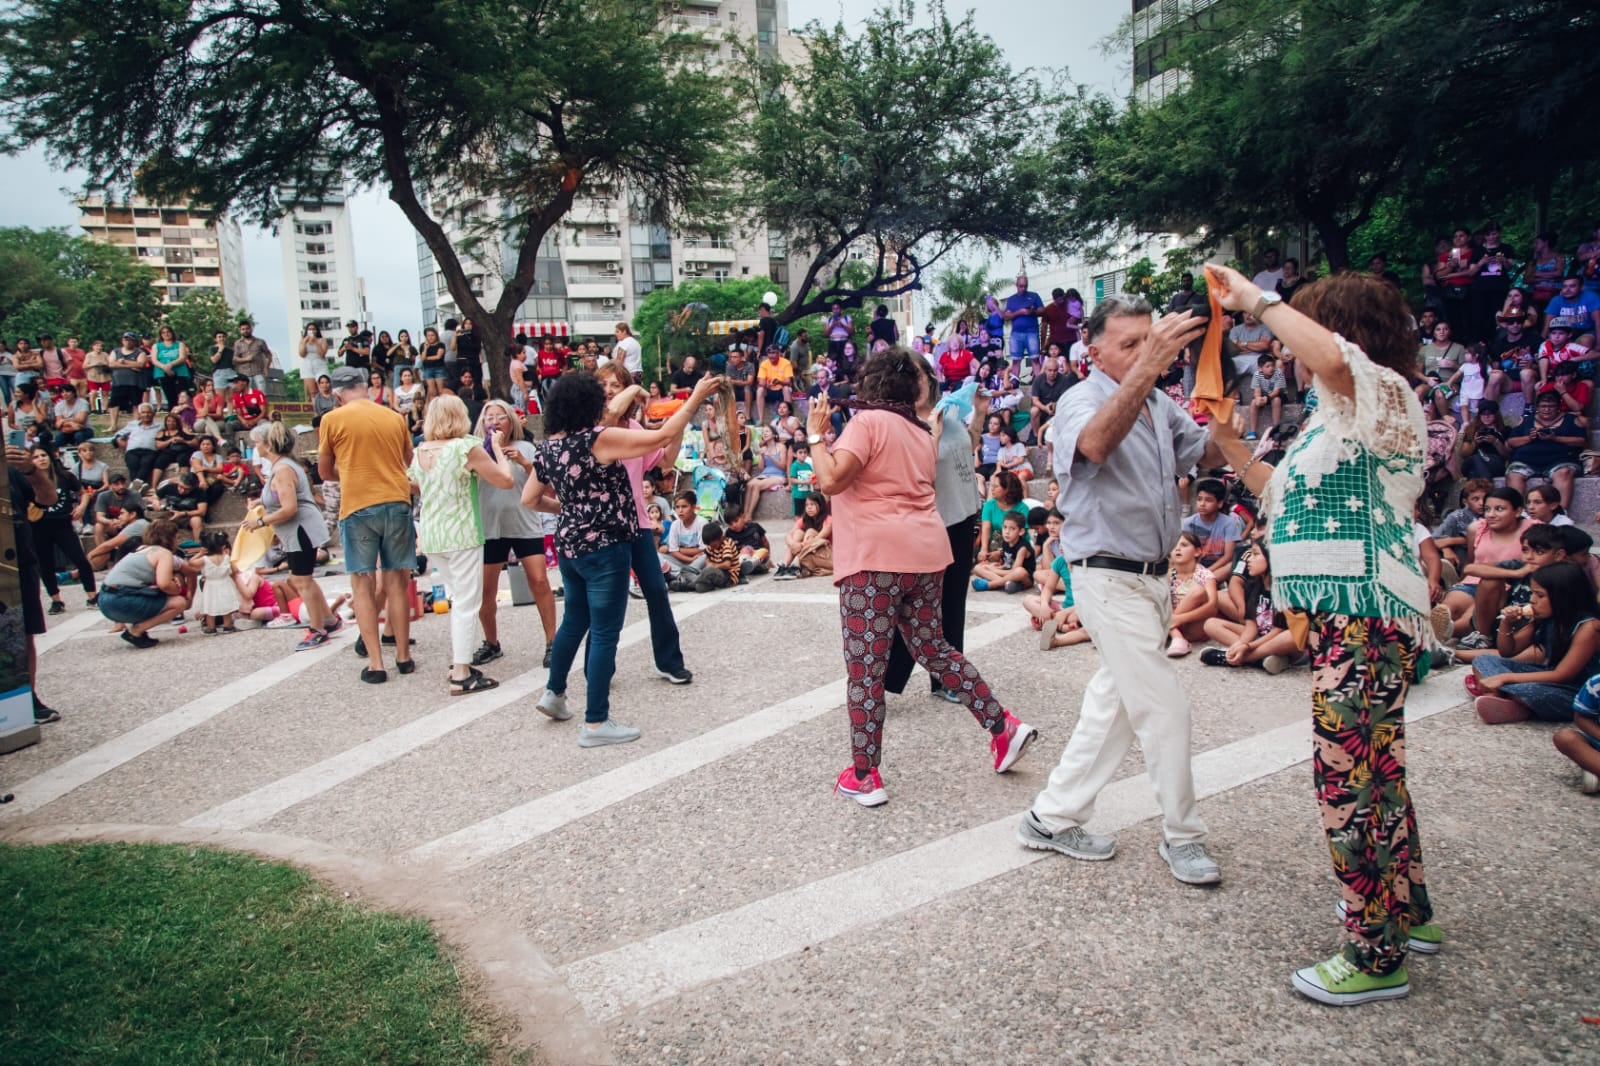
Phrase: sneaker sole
(674, 680)
(1348, 999)
(1421, 947)
(868, 799)
(1019, 747)
(553, 715)
(586, 740)
(1213, 879)
(1033, 843)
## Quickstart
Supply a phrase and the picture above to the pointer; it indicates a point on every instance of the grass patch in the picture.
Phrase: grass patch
(120, 953)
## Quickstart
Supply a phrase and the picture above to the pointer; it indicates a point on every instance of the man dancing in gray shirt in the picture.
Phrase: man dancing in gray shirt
(1120, 446)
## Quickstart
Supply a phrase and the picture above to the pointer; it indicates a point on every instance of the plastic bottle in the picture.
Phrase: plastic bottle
(438, 587)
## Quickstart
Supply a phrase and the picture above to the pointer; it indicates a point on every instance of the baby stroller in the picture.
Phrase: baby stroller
(710, 487)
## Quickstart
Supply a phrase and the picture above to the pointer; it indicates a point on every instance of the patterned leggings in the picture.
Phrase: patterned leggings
(872, 605)
(1361, 670)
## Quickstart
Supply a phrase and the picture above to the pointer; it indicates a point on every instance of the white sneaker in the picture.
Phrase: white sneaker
(553, 706)
(1590, 785)
(609, 731)
(285, 621)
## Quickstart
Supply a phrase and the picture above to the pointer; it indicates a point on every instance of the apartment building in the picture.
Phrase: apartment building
(612, 250)
(320, 283)
(191, 252)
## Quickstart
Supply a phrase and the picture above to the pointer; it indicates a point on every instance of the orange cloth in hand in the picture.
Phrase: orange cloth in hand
(1207, 397)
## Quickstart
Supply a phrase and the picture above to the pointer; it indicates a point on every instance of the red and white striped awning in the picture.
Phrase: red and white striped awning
(542, 329)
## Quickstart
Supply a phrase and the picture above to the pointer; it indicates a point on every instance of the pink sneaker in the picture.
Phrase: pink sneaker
(1009, 746)
(867, 791)
(1178, 648)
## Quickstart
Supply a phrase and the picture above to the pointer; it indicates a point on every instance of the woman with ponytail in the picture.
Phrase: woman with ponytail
(889, 559)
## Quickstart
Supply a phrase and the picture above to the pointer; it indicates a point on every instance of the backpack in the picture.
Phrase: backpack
(781, 338)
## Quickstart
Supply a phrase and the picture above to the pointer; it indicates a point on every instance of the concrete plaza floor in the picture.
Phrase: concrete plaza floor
(705, 898)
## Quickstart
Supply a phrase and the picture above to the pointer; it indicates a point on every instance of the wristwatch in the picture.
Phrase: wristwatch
(815, 438)
(1266, 300)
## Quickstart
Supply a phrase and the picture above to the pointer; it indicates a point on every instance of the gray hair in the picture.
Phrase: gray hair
(1117, 305)
(279, 438)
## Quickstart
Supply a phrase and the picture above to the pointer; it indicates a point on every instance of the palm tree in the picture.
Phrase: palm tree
(961, 292)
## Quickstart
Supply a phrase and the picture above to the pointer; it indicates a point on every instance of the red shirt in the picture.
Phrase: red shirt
(550, 362)
(74, 363)
(251, 403)
(955, 364)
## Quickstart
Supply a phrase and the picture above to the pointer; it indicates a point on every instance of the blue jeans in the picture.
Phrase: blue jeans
(380, 537)
(1024, 344)
(646, 563)
(596, 601)
(1549, 703)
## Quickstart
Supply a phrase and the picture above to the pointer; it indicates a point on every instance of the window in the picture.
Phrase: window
(316, 268)
(720, 275)
(316, 305)
(318, 286)
(316, 248)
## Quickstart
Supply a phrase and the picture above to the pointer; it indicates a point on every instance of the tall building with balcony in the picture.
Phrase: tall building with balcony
(190, 251)
(1157, 25)
(612, 250)
(320, 283)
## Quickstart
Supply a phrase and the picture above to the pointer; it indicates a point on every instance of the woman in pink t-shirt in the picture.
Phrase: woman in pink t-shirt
(889, 556)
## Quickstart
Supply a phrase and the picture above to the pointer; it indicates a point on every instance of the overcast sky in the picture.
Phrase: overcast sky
(1055, 34)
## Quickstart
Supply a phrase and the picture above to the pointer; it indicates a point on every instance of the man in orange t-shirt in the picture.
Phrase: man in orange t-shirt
(367, 449)
(775, 381)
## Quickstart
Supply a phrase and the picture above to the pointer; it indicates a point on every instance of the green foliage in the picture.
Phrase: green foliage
(53, 282)
(184, 955)
(1316, 110)
(198, 317)
(660, 325)
(294, 388)
(903, 141)
(517, 105)
(1158, 284)
(961, 291)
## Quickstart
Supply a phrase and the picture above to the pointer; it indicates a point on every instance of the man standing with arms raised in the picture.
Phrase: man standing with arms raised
(1120, 446)
(367, 449)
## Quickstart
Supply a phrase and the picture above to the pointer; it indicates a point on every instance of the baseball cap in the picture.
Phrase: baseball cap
(347, 377)
(1561, 322)
(116, 476)
(130, 335)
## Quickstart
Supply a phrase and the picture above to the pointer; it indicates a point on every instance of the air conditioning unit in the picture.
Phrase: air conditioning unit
(614, 268)
(608, 303)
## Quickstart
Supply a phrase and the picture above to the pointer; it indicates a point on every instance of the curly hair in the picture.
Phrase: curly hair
(575, 403)
(1366, 311)
(892, 376)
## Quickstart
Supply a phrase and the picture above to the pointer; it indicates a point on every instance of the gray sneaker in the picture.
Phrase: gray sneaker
(553, 706)
(609, 731)
(1191, 863)
(1474, 641)
(1075, 841)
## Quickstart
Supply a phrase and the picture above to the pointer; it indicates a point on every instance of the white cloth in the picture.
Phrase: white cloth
(218, 594)
(631, 354)
(463, 582)
(1135, 692)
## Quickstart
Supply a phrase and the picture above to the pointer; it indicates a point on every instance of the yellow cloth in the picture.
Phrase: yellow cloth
(1207, 397)
(775, 375)
(371, 446)
(250, 544)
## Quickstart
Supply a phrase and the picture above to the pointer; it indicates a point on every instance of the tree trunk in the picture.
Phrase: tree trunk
(1335, 237)
(494, 332)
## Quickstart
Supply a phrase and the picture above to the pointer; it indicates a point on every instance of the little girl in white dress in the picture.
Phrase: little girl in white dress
(218, 598)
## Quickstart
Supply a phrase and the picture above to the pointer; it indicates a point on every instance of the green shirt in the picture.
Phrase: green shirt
(450, 520)
(1339, 506)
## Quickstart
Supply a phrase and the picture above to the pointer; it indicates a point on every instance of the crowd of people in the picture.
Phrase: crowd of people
(1120, 513)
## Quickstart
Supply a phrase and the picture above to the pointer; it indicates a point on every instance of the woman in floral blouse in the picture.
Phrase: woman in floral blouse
(1339, 510)
(581, 463)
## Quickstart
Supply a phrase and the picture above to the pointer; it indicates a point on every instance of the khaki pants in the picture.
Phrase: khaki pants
(1134, 693)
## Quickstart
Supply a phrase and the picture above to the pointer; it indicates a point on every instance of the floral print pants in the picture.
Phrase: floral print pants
(1361, 670)
(872, 605)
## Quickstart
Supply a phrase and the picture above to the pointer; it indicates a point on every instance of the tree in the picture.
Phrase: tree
(72, 284)
(659, 322)
(1316, 110)
(199, 317)
(961, 291)
(898, 144)
(515, 106)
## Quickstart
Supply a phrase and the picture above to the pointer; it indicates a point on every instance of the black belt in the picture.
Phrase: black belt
(1127, 566)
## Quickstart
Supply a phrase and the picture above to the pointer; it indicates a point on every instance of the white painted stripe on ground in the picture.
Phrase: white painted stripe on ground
(665, 965)
(533, 819)
(65, 631)
(273, 799)
(76, 772)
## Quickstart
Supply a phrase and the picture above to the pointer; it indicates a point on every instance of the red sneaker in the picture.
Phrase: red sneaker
(867, 791)
(1009, 746)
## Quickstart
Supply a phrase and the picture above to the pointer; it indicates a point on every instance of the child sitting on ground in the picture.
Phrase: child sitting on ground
(1264, 636)
(658, 525)
(1049, 547)
(1451, 534)
(1194, 596)
(810, 542)
(1010, 565)
(752, 540)
(1538, 669)
(218, 599)
(1058, 623)
(683, 554)
(1218, 531)
(1507, 580)
(1580, 741)
(723, 564)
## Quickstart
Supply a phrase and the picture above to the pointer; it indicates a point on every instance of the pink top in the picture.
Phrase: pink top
(885, 520)
(636, 469)
(1485, 550)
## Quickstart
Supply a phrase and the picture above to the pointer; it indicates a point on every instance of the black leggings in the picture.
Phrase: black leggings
(952, 603)
(171, 386)
(53, 539)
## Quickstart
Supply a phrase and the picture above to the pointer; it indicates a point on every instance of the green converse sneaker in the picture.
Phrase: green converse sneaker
(1339, 984)
(1425, 939)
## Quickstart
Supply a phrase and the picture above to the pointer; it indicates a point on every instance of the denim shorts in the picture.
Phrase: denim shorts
(131, 606)
(1524, 470)
(433, 373)
(380, 537)
(1024, 343)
